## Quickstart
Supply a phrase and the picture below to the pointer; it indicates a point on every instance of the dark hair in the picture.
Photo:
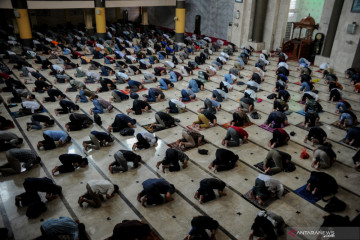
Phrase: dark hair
(156, 139)
(20, 140)
(51, 122)
(116, 188)
(84, 161)
(133, 121)
(326, 72)
(68, 139)
(76, 107)
(82, 232)
(38, 160)
(57, 189)
(96, 96)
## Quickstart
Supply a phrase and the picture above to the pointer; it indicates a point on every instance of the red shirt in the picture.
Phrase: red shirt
(282, 131)
(4, 75)
(241, 131)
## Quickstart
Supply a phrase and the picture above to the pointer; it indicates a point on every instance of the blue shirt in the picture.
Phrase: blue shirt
(189, 92)
(56, 135)
(227, 78)
(61, 226)
(173, 75)
(306, 86)
(134, 83)
(214, 103)
(122, 75)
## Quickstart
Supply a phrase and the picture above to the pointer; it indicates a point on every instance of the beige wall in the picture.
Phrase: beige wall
(274, 28)
(343, 52)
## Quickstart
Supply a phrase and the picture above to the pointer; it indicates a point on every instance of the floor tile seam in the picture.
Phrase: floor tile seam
(122, 196)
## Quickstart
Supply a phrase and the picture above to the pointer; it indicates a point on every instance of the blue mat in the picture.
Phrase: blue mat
(307, 195)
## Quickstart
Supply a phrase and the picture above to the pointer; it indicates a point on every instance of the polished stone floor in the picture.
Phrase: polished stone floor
(172, 220)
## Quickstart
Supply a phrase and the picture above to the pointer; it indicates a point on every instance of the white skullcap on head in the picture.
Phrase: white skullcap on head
(242, 47)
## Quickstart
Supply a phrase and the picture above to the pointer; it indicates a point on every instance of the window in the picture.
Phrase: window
(292, 9)
(292, 4)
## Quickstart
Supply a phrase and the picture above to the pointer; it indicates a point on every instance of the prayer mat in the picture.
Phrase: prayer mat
(294, 106)
(307, 195)
(299, 125)
(259, 100)
(267, 202)
(127, 91)
(301, 112)
(192, 100)
(301, 102)
(319, 71)
(172, 114)
(173, 145)
(228, 124)
(270, 129)
(201, 129)
(297, 83)
(152, 130)
(260, 166)
(341, 126)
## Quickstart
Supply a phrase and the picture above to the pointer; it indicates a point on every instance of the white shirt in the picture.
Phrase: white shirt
(132, 59)
(222, 93)
(212, 68)
(30, 69)
(272, 184)
(222, 59)
(227, 85)
(149, 137)
(119, 39)
(314, 95)
(283, 64)
(36, 42)
(178, 103)
(100, 46)
(223, 54)
(122, 75)
(33, 105)
(171, 64)
(57, 68)
(253, 84)
(233, 77)
(251, 93)
(93, 75)
(101, 186)
(324, 66)
(207, 38)
(130, 44)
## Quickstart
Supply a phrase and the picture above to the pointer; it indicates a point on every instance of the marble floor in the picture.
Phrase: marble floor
(171, 221)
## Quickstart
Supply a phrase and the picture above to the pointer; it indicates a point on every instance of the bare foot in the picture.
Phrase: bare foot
(196, 196)
(143, 201)
(252, 197)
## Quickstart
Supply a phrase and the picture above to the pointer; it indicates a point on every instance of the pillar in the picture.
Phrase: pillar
(33, 19)
(88, 21)
(67, 16)
(100, 18)
(333, 24)
(23, 21)
(119, 14)
(259, 20)
(144, 17)
(180, 21)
